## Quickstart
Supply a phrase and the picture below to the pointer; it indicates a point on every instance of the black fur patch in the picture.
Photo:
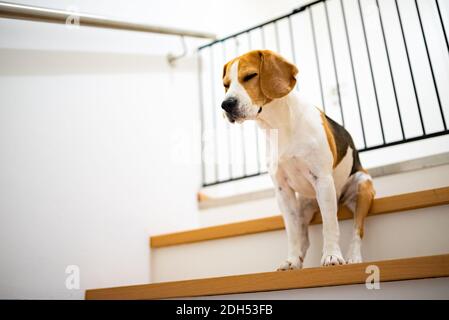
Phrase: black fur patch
(342, 140)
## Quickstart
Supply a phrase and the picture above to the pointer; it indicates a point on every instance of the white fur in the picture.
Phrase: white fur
(305, 167)
(304, 177)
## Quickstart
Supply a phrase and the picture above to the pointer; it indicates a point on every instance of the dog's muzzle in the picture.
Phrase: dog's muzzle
(230, 106)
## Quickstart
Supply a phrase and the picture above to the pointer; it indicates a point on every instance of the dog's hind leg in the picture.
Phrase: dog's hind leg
(358, 198)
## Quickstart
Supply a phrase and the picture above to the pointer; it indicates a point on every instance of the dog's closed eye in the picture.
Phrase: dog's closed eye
(249, 76)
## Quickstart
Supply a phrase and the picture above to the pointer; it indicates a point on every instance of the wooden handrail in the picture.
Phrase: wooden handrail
(390, 270)
(402, 202)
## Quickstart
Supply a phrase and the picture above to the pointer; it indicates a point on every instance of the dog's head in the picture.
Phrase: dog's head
(253, 80)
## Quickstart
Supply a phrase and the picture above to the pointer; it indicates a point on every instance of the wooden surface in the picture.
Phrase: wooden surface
(390, 270)
(402, 202)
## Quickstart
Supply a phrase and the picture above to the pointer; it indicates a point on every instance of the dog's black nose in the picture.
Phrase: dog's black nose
(229, 104)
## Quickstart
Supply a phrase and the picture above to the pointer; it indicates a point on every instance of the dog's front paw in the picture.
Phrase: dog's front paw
(354, 254)
(290, 264)
(333, 259)
(354, 258)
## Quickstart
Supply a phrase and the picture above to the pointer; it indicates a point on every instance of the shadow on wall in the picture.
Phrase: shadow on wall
(41, 62)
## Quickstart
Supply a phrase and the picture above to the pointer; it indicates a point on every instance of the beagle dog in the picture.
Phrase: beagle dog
(317, 165)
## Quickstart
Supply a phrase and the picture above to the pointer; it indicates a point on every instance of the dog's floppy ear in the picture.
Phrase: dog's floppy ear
(225, 67)
(277, 75)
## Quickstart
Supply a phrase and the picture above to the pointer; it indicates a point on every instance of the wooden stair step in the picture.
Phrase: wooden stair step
(390, 270)
(385, 205)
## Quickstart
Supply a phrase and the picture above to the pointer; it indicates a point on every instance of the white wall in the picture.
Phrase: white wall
(84, 170)
(90, 127)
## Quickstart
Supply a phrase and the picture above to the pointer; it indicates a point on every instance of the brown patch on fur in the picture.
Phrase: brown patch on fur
(364, 170)
(251, 63)
(365, 197)
(343, 141)
(330, 139)
(226, 67)
(275, 75)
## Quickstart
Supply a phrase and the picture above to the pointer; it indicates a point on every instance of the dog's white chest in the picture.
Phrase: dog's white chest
(296, 175)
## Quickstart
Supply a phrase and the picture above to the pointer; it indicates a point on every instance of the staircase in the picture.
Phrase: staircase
(406, 238)
(392, 270)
